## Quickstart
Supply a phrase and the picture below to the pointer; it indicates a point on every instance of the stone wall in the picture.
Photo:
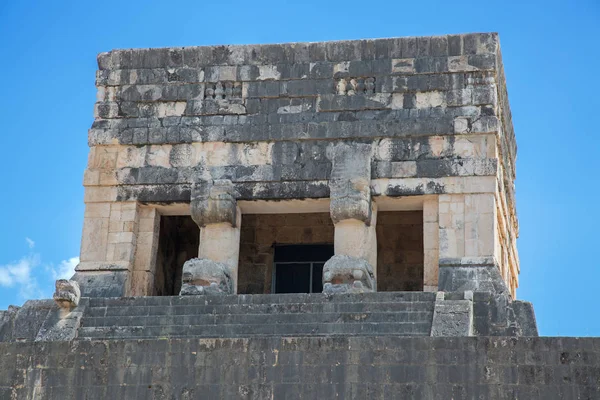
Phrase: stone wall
(259, 234)
(434, 111)
(400, 250)
(301, 368)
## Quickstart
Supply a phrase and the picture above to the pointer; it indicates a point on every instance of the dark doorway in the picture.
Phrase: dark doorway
(299, 268)
(178, 242)
(400, 252)
(261, 234)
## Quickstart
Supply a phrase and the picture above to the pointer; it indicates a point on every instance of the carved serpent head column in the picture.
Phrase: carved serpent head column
(352, 268)
(214, 209)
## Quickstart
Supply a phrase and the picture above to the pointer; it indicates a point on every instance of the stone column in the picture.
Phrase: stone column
(108, 247)
(431, 244)
(467, 236)
(353, 267)
(144, 267)
(215, 211)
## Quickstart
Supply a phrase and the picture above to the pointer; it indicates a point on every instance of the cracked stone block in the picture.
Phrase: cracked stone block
(67, 293)
(347, 274)
(205, 277)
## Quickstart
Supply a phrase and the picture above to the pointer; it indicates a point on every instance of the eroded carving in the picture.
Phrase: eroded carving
(213, 202)
(67, 293)
(223, 90)
(347, 274)
(350, 183)
(205, 277)
(353, 86)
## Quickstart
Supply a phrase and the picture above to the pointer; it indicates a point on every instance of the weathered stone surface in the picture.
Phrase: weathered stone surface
(453, 317)
(213, 202)
(309, 367)
(62, 324)
(346, 274)
(525, 317)
(206, 277)
(350, 182)
(28, 319)
(111, 283)
(475, 274)
(67, 293)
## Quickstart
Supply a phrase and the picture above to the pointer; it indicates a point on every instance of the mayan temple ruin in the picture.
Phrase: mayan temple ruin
(329, 220)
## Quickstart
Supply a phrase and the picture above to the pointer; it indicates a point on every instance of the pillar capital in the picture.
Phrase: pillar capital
(213, 202)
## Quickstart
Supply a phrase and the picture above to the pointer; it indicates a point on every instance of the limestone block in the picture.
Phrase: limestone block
(350, 182)
(67, 293)
(452, 226)
(347, 274)
(206, 277)
(91, 177)
(142, 283)
(158, 156)
(132, 156)
(430, 99)
(480, 225)
(94, 239)
(100, 194)
(268, 72)
(213, 202)
(97, 210)
(453, 317)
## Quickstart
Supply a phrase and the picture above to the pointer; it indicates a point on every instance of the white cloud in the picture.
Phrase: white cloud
(66, 268)
(32, 278)
(18, 273)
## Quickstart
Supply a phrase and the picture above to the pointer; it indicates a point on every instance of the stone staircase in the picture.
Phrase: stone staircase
(372, 314)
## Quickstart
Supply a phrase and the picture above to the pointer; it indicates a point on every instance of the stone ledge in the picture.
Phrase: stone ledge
(294, 53)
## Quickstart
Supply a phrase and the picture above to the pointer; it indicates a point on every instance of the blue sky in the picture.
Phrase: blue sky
(551, 57)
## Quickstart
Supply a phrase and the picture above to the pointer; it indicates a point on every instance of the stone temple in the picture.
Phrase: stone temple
(297, 221)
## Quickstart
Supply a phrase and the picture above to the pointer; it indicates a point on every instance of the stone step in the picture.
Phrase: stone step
(230, 319)
(277, 308)
(252, 330)
(161, 301)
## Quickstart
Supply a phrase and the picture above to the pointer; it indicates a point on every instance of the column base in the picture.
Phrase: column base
(107, 283)
(347, 274)
(477, 274)
(206, 277)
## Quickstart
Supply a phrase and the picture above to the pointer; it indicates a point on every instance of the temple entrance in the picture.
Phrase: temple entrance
(178, 242)
(299, 268)
(284, 253)
(400, 254)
